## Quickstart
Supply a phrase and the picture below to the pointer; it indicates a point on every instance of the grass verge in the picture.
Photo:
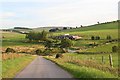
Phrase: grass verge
(82, 71)
(11, 67)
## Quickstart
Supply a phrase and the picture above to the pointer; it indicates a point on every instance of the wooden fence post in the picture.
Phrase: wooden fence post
(102, 59)
(110, 60)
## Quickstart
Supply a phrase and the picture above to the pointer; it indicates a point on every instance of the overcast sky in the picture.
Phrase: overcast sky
(36, 13)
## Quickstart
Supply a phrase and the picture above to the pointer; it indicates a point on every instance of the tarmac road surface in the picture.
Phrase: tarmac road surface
(42, 68)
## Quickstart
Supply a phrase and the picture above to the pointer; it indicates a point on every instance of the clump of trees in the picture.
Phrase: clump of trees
(37, 36)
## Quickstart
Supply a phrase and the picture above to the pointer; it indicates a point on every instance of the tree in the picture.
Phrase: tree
(30, 36)
(98, 22)
(66, 43)
(44, 35)
(64, 28)
(81, 26)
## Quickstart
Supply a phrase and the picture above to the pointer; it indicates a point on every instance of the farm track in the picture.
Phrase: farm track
(42, 68)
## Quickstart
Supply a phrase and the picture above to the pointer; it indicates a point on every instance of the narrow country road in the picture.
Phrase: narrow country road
(42, 68)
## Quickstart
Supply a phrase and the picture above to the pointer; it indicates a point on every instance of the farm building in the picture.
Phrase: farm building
(68, 36)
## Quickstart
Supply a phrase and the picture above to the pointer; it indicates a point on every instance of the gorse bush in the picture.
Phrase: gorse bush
(10, 50)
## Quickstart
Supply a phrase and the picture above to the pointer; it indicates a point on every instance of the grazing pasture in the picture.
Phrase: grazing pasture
(102, 48)
(15, 39)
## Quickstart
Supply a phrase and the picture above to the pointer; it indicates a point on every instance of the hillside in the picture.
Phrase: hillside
(102, 26)
(102, 30)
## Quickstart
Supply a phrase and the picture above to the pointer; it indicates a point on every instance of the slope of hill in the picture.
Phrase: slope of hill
(102, 30)
(103, 26)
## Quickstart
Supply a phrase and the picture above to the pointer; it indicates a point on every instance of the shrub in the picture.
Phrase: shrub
(10, 50)
(97, 37)
(58, 55)
(47, 52)
(64, 28)
(92, 38)
(49, 43)
(114, 49)
(66, 43)
(58, 50)
(39, 52)
(109, 37)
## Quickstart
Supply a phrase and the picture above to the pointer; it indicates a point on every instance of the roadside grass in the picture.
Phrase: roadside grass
(11, 67)
(85, 72)
(81, 71)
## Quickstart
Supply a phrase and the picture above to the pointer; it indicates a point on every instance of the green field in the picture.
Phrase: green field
(15, 39)
(102, 48)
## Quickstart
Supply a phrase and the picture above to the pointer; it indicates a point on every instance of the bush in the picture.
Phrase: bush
(114, 49)
(92, 38)
(97, 37)
(66, 43)
(58, 50)
(47, 52)
(109, 37)
(39, 52)
(58, 55)
(10, 50)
